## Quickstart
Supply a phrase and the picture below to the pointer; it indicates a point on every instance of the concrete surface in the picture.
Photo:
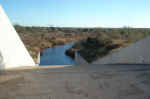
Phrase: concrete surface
(12, 50)
(78, 82)
(137, 53)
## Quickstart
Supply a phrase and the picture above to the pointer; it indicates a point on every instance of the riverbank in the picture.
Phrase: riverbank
(78, 82)
(103, 44)
(38, 38)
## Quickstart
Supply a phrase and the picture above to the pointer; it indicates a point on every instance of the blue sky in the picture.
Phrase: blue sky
(79, 13)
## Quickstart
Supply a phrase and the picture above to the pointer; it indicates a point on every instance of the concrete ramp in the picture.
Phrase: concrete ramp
(137, 53)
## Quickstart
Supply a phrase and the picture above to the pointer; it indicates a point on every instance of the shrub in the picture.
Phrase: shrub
(93, 48)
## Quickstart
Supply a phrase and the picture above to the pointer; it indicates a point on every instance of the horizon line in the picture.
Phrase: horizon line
(78, 26)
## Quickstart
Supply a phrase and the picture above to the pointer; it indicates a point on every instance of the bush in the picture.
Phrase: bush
(96, 47)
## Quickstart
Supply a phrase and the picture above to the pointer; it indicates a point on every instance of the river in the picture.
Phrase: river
(56, 55)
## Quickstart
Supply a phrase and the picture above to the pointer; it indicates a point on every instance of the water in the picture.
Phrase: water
(57, 56)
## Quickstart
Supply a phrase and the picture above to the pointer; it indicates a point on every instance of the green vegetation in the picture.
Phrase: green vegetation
(100, 42)
(108, 40)
(38, 38)
(96, 47)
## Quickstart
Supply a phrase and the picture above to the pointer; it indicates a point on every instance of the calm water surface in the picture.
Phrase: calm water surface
(57, 56)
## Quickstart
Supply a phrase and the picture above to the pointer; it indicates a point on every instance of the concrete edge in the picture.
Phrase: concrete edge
(38, 67)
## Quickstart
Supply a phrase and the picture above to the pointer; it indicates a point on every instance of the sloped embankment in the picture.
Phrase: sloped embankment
(137, 53)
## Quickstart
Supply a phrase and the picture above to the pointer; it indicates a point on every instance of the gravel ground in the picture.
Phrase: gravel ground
(78, 82)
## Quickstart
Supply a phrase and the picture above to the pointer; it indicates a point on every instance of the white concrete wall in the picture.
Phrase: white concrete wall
(12, 48)
(137, 53)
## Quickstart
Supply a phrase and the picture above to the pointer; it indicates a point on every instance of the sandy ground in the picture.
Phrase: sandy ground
(78, 82)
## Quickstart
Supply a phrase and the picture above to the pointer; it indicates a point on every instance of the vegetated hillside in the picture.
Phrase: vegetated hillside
(108, 40)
